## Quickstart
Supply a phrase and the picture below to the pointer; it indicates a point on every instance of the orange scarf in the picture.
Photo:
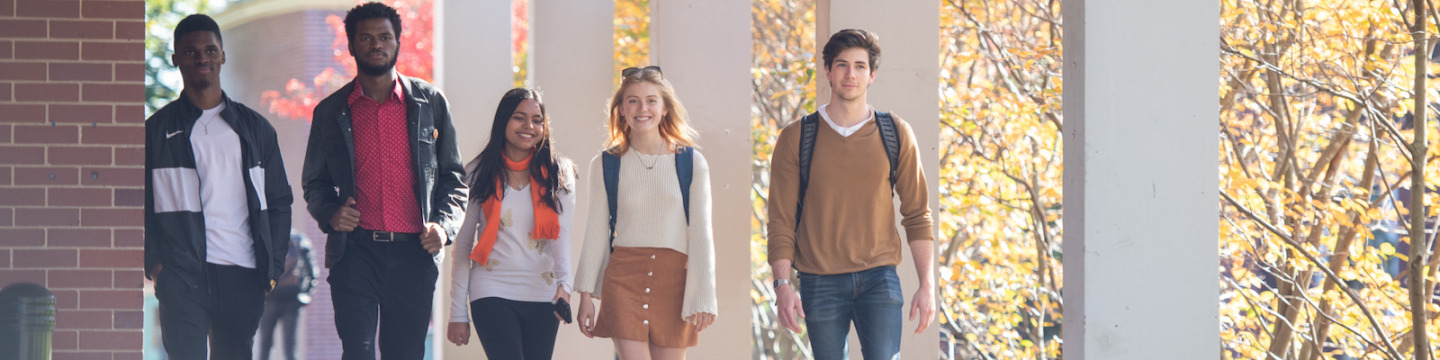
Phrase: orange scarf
(547, 222)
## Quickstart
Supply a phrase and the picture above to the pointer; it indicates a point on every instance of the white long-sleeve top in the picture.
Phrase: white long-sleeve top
(520, 268)
(652, 214)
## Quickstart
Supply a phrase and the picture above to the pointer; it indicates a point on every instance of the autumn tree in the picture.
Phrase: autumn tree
(1000, 170)
(520, 42)
(632, 35)
(1315, 166)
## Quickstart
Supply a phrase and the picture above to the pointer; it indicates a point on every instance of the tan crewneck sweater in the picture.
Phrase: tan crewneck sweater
(849, 220)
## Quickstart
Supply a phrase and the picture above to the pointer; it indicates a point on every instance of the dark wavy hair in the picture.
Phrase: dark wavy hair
(853, 38)
(489, 166)
(367, 11)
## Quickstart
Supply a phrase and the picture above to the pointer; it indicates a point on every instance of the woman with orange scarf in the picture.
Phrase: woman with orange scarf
(512, 258)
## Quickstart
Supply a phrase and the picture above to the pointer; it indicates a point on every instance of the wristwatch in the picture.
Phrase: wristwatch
(779, 282)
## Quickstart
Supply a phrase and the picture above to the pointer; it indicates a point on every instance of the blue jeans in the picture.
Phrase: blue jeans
(871, 298)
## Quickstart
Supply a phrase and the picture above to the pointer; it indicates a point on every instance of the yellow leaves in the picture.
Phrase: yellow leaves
(632, 34)
(782, 93)
(999, 144)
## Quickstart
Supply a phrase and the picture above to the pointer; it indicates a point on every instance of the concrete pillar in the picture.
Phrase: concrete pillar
(572, 56)
(906, 84)
(1140, 114)
(704, 48)
(472, 65)
(472, 68)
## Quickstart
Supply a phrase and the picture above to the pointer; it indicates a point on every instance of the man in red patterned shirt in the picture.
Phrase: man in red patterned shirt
(383, 178)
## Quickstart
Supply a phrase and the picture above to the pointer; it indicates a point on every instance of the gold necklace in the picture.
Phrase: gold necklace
(653, 161)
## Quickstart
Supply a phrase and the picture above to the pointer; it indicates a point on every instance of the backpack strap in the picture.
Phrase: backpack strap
(611, 164)
(891, 137)
(685, 171)
(809, 125)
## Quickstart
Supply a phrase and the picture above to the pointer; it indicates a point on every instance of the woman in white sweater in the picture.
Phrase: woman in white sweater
(512, 255)
(656, 275)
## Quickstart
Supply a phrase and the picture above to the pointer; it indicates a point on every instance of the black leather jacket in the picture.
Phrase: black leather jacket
(329, 175)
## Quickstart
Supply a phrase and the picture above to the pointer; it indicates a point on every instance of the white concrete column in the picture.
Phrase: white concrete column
(1140, 268)
(906, 84)
(572, 57)
(703, 47)
(472, 68)
(473, 65)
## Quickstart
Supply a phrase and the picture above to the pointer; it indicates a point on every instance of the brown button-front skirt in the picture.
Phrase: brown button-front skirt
(644, 293)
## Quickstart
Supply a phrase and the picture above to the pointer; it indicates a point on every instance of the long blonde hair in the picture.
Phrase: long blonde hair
(674, 126)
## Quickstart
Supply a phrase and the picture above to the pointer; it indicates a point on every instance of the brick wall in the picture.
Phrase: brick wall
(71, 157)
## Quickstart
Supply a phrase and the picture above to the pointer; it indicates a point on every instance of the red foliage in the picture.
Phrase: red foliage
(519, 27)
(416, 60)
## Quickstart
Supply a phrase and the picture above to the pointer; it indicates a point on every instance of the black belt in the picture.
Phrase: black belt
(385, 236)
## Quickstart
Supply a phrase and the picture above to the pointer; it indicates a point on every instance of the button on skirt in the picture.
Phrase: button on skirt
(644, 293)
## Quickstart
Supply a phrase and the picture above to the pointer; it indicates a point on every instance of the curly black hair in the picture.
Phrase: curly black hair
(367, 11)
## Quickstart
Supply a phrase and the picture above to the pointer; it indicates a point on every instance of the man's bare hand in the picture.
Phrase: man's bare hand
(787, 307)
(345, 218)
(433, 238)
(923, 308)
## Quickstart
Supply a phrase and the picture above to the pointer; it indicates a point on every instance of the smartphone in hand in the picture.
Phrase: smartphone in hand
(562, 308)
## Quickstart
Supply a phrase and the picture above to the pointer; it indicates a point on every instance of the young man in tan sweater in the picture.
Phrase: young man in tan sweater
(838, 227)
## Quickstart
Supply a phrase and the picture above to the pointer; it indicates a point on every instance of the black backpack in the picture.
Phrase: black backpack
(810, 124)
(684, 170)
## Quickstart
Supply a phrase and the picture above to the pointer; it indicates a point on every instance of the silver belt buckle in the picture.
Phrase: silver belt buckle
(389, 236)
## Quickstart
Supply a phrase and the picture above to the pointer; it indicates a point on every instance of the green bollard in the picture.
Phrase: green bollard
(27, 317)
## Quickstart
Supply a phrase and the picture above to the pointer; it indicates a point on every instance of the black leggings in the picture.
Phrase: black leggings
(511, 329)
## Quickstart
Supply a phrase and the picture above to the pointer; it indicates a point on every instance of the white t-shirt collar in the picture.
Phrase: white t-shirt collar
(846, 131)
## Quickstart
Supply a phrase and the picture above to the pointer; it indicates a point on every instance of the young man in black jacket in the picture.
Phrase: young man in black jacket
(217, 207)
(383, 179)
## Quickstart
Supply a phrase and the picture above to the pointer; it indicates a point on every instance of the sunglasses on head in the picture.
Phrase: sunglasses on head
(634, 70)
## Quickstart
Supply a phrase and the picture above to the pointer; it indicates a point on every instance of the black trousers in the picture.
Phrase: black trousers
(511, 329)
(223, 308)
(285, 313)
(389, 284)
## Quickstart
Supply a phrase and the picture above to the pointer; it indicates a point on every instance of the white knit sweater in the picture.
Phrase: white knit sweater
(521, 268)
(652, 214)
